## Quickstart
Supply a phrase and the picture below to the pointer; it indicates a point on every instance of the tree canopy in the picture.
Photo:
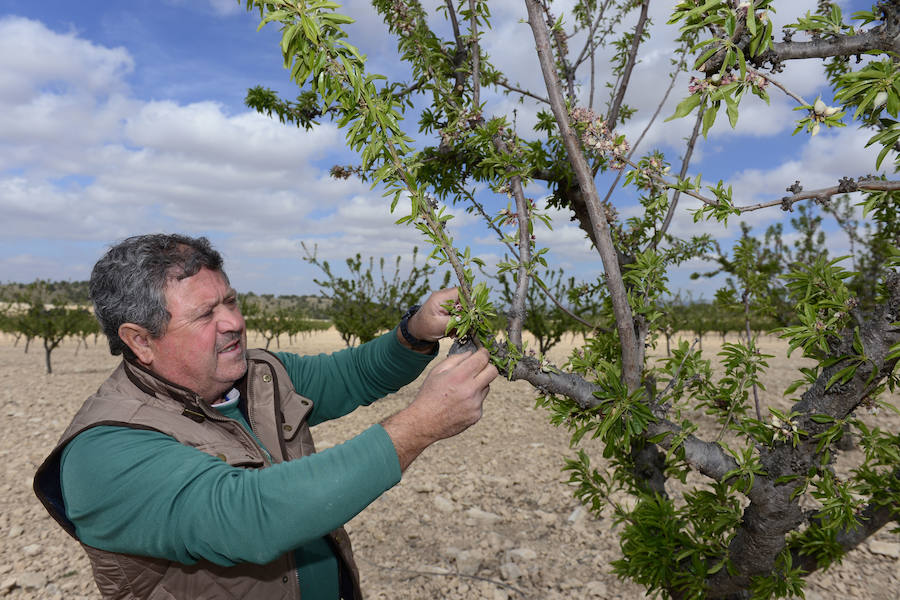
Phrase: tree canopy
(745, 529)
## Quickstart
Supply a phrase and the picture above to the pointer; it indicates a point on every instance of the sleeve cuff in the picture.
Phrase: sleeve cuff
(383, 453)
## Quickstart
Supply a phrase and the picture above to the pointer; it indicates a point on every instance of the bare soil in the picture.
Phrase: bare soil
(484, 515)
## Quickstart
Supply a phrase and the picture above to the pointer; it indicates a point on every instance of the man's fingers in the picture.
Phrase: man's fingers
(442, 296)
(474, 362)
(450, 362)
(487, 375)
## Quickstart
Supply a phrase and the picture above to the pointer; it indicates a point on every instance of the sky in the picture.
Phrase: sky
(122, 118)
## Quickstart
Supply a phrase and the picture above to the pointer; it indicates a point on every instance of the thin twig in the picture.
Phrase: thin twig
(540, 283)
(561, 42)
(675, 377)
(751, 346)
(589, 45)
(506, 84)
(613, 114)
(777, 84)
(475, 55)
(685, 163)
(517, 309)
(823, 194)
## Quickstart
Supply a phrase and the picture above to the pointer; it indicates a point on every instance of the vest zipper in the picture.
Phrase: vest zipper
(217, 416)
(276, 393)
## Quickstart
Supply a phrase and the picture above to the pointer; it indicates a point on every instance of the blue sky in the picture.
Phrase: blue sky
(118, 118)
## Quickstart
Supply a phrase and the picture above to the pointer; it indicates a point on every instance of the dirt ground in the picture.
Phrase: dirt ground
(484, 515)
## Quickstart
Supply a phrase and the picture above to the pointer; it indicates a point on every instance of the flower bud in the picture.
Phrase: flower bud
(819, 107)
(830, 111)
(815, 128)
(716, 78)
(880, 98)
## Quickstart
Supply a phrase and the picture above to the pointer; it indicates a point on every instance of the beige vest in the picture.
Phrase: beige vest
(134, 397)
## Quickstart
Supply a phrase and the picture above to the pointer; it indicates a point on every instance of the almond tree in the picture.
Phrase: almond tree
(368, 302)
(34, 317)
(743, 531)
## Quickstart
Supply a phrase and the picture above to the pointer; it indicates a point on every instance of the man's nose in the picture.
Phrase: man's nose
(230, 320)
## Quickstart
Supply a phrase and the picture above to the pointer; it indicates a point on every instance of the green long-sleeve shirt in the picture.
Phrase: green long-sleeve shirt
(142, 492)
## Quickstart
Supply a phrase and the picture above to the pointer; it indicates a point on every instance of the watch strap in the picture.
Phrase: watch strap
(413, 341)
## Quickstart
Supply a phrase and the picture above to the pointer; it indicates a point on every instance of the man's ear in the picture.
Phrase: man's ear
(138, 339)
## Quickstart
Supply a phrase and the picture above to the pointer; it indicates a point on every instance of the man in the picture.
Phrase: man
(191, 473)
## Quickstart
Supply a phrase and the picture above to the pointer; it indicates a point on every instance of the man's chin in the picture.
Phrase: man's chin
(233, 367)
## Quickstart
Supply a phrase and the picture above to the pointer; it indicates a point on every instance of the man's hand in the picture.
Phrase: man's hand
(430, 322)
(449, 402)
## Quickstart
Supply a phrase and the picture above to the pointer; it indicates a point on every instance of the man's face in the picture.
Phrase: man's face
(204, 346)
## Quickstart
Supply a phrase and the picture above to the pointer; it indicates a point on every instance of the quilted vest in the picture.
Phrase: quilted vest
(134, 397)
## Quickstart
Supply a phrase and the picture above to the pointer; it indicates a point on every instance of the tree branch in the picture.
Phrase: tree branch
(706, 457)
(685, 163)
(872, 518)
(612, 116)
(780, 86)
(772, 512)
(884, 38)
(631, 364)
(506, 84)
(540, 283)
(475, 54)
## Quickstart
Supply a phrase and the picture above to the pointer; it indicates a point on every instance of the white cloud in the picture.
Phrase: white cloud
(34, 59)
(136, 165)
(226, 7)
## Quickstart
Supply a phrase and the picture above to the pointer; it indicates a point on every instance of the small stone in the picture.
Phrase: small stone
(483, 516)
(510, 571)
(423, 487)
(547, 518)
(443, 504)
(885, 548)
(576, 514)
(577, 518)
(523, 554)
(16, 531)
(570, 584)
(595, 589)
(32, 550)
(492, 542)
(32, 581)
(7, 585)
(468, 562)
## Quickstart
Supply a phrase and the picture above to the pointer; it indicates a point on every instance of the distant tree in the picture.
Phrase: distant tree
(32, 316)
(271, 320)
(544, 319)
(368, 302)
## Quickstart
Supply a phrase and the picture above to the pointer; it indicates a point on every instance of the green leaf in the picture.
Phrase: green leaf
(709, 117)
(685, 107)
(731, 108)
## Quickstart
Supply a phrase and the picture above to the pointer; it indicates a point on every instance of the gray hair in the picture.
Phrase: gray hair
(128, 283)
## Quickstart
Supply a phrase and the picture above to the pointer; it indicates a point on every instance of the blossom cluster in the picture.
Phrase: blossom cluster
(597, 137)
(400, 18)
(716, 80)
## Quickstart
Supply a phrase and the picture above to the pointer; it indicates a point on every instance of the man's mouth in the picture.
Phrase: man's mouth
(230, 347)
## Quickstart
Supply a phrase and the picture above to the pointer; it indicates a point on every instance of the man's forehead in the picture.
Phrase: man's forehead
(202, 288)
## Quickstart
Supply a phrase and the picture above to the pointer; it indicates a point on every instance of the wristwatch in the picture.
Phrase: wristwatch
(414, 342)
